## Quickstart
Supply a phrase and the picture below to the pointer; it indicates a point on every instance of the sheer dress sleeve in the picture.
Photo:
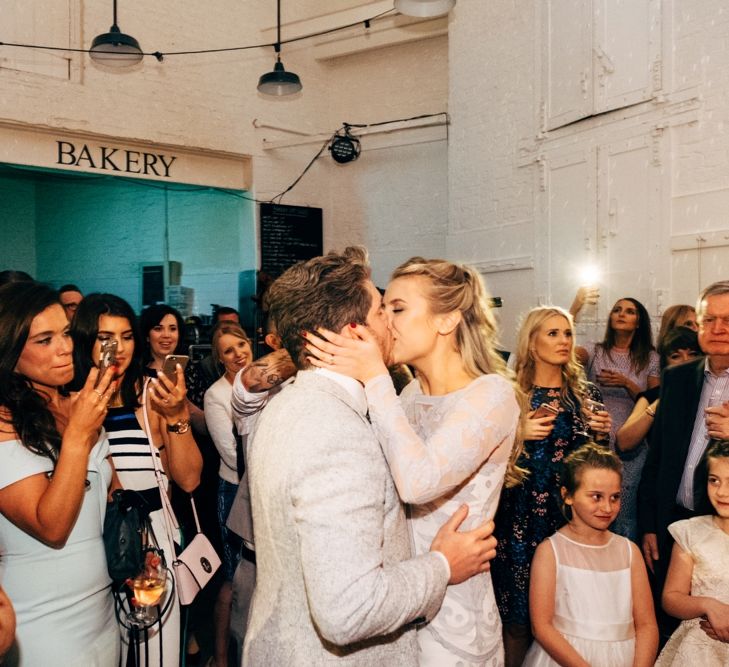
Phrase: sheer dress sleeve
(478, 425)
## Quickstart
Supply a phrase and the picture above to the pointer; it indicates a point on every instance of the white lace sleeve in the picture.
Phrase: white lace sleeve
(479, 425)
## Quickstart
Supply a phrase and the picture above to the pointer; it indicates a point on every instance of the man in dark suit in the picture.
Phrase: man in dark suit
(693, 408)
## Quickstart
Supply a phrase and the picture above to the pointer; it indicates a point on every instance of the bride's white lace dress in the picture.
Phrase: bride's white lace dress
(445, 451)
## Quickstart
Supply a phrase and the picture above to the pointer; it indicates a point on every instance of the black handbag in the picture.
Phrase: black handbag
(125, 534)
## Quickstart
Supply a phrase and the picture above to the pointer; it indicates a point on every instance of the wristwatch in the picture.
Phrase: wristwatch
(179, 427)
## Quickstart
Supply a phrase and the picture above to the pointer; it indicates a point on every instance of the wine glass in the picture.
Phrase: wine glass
(149, 586)
(592, 407)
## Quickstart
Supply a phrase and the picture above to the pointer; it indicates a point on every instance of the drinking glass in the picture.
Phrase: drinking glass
(149, 586)
(592, 407)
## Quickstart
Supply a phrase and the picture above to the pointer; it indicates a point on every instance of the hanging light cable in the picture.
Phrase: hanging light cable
(279, 82)
(114, 48)
(424, 8)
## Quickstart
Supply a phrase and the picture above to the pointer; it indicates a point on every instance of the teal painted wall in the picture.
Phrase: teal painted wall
(17, 224)
(96, 232)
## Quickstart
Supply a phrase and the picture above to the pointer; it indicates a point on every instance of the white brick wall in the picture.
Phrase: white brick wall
(499, 190)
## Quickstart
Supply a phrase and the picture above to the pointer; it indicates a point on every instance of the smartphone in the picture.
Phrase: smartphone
(169, 365)
(545, 410)
(107, 357)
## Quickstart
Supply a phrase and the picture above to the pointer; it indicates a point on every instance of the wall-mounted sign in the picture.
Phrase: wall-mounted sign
(71, 154)
(56, 148)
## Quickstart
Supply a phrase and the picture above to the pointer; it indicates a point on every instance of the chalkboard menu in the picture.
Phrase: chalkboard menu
(289, 234)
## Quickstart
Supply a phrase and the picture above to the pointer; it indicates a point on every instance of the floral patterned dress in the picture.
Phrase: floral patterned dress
(531, 512)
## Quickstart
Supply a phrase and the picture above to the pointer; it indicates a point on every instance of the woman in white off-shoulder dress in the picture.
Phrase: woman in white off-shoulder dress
(449, 439)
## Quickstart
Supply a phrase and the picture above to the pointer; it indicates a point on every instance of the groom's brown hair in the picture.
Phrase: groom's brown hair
(327, 291)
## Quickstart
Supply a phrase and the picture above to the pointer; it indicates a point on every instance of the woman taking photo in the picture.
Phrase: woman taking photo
(624, 364)
(231, 349)
(163, 331)
(103, 317)
(54, 479)
(548, 373)
(449, 437)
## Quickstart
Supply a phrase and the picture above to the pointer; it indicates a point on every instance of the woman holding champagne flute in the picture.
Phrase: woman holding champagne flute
(548, 372)
(134, 440)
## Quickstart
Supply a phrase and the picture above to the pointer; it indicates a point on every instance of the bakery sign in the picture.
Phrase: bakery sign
(111, 159)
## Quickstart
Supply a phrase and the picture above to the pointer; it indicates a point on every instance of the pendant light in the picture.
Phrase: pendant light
(279, 82)
(115, 48)
(424, 8)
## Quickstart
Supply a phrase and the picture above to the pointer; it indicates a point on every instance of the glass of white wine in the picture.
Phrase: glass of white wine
(149, 587)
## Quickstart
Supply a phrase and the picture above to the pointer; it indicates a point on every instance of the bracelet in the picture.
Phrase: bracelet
(651, 413)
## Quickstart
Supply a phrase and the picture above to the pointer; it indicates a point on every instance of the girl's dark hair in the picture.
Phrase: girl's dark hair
(642, 344)
(589, 455)
(678, 338)
(27, 409)
(716, 449)
(150, 318)
(84, 331)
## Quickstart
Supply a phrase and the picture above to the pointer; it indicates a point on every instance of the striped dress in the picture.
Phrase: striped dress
(133, 462)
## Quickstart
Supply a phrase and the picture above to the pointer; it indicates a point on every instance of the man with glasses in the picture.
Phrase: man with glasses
(693, 408)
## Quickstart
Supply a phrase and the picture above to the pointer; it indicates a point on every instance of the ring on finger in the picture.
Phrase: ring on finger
(100, 395)
(331, 361)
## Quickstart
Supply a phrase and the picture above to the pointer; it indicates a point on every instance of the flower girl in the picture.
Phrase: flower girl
(697, 585)
(589, 597)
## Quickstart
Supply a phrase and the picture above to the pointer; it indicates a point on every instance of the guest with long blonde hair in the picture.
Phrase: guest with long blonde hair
(548, 372)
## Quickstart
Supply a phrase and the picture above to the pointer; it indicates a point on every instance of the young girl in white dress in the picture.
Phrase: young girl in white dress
(697, 585)
(589, 599)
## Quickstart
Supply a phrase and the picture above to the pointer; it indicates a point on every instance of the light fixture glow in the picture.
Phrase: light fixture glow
(424, 8)
(114, 48)
(279, 82)
(589, 275)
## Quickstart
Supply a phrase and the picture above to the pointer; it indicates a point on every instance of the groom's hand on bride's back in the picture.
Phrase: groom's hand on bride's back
(469, 552)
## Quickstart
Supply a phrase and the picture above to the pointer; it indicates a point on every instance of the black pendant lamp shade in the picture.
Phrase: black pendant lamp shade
(279, 82)
(115, 48)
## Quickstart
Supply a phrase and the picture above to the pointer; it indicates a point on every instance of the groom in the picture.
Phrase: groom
(336, 581)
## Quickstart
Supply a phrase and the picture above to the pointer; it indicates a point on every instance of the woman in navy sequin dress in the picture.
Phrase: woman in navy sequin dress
(548, 371)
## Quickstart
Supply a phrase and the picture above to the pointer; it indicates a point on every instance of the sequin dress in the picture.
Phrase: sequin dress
(530, 513)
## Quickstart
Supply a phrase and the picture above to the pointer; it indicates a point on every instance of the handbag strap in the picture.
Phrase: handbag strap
(158, 473)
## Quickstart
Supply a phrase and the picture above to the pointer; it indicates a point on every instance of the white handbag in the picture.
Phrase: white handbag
(198, 562)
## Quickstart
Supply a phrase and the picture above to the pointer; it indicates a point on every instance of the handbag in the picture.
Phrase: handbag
(125, 524)
(195, 566)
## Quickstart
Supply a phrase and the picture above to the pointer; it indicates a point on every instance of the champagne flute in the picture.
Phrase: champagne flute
(149, 586)
(592, 407)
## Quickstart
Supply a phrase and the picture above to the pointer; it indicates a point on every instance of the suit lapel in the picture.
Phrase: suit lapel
(694, 385)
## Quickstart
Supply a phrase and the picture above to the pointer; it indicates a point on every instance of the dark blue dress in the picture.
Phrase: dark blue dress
(531, 512)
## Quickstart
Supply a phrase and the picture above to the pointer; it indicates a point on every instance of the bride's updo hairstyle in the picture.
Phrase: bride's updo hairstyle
(459, 287)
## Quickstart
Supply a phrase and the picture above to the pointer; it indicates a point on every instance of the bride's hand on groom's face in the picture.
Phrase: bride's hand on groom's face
(468, 553)
(356, 354)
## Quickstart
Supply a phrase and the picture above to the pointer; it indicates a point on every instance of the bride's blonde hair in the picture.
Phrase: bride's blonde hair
(458, 287)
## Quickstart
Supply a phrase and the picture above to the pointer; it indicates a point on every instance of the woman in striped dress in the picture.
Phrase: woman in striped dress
(102, 317)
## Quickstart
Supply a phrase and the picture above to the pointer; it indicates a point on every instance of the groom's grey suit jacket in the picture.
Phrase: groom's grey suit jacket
(336, 582)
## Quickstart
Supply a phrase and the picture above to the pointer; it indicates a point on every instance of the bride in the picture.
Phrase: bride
(449, 439)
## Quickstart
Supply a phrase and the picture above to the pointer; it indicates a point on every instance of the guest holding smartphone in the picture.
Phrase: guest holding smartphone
(548, 372)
